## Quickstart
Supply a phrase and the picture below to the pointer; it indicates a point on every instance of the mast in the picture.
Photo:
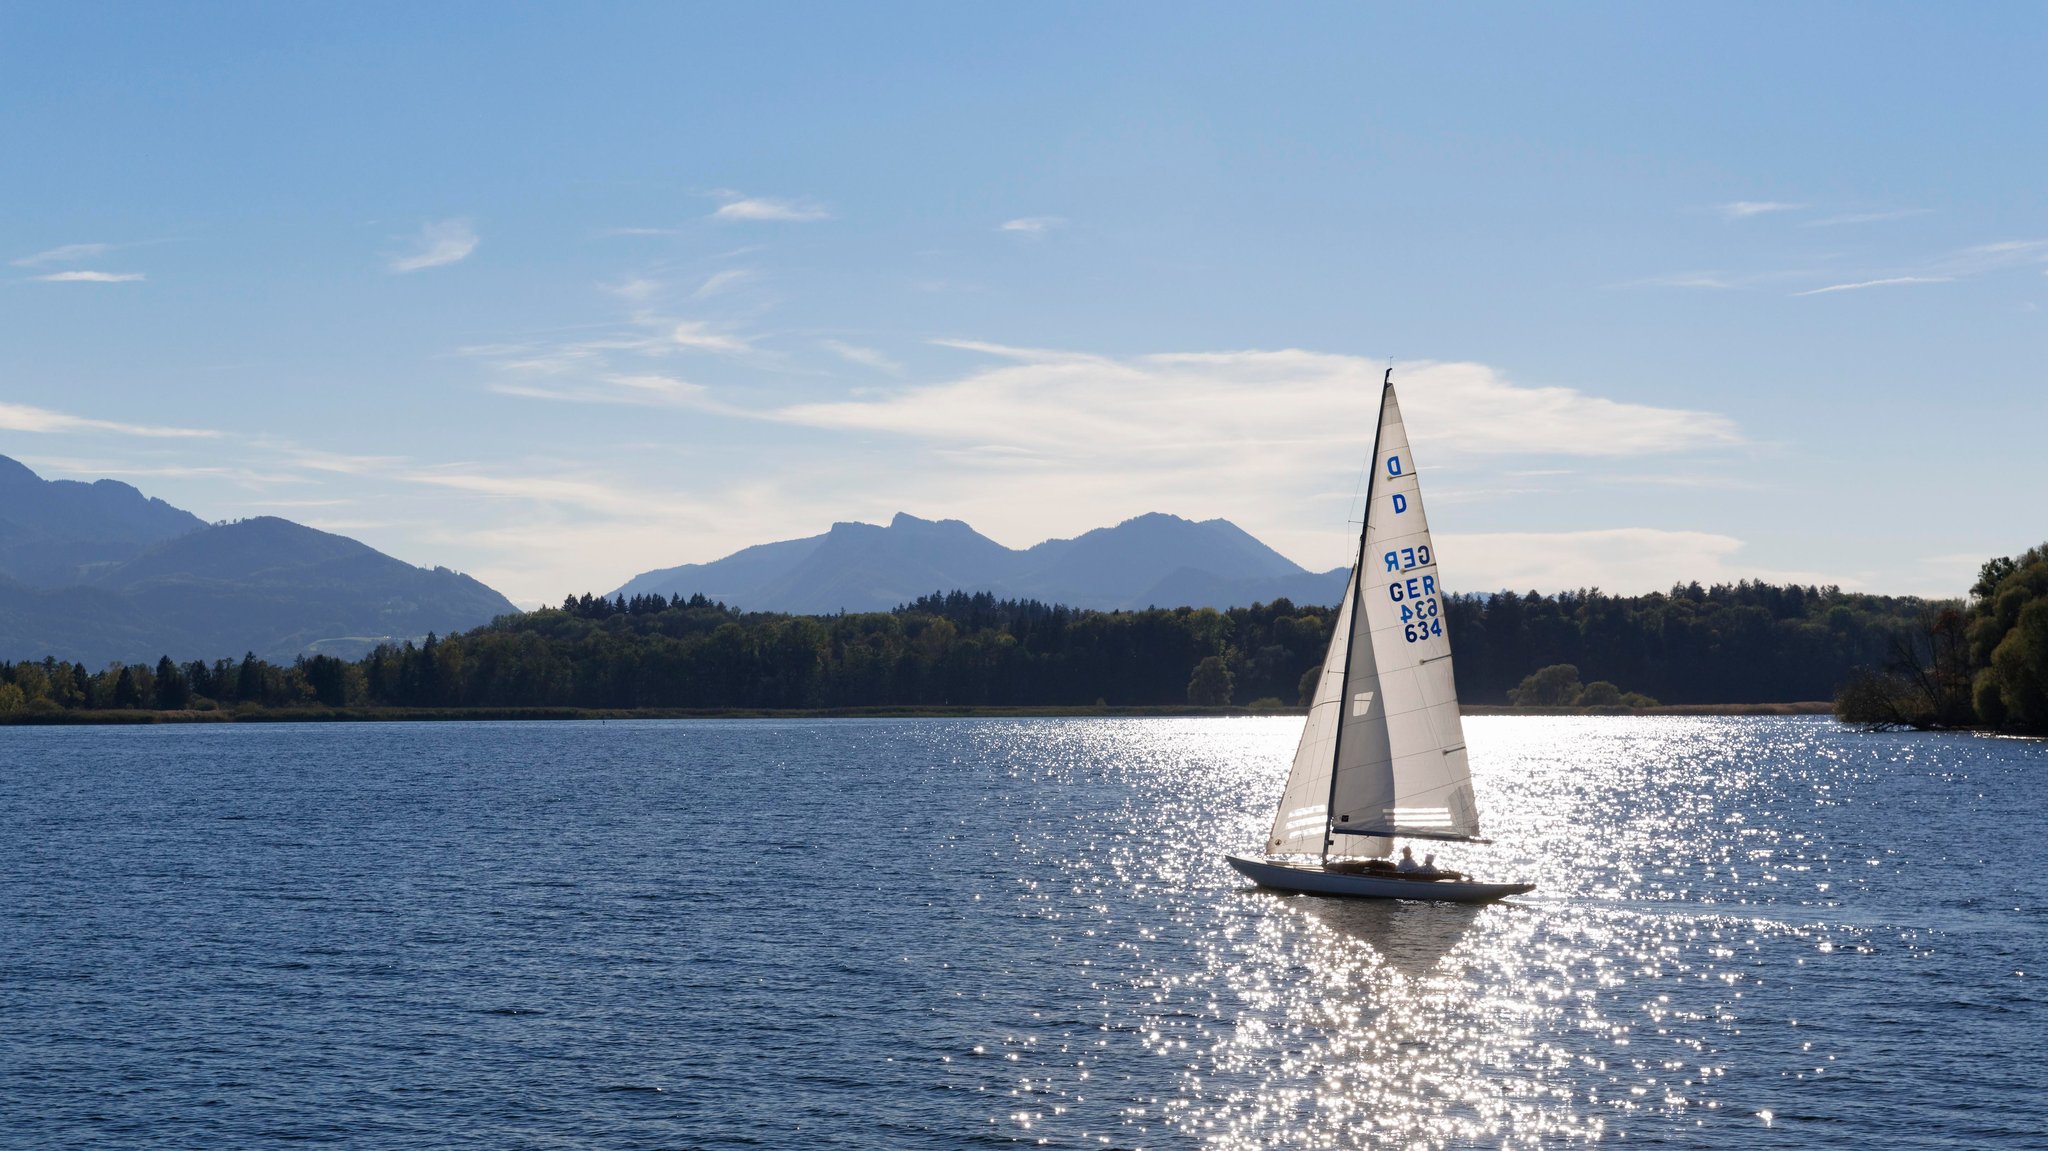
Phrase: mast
(1357, 605)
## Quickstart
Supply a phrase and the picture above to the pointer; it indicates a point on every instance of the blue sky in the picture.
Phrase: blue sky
(555, 295)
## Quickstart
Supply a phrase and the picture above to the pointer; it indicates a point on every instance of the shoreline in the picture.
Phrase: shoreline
(127, 717)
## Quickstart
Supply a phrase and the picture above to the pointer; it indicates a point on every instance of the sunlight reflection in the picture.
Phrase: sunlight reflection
(1682, 883)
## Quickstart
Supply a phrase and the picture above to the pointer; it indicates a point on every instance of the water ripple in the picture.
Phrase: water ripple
(1748, 932)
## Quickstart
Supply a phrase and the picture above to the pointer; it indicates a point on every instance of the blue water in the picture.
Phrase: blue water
(1749, 933)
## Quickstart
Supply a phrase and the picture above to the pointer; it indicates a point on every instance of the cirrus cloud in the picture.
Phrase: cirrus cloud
(1031, 225)
(24, 418)
(762, 208)
(1744, 209)
(63, 254)
(437, 245)
(83, 276)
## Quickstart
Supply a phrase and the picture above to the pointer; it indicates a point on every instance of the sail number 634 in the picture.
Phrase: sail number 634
(1421, 614)
(1421, 619)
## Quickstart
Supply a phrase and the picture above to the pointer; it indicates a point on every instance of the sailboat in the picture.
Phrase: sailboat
(1382, 756)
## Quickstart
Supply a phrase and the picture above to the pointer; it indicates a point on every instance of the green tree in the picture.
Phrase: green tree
(173, 690)
(2020, 663)
(1599, 693)
(126, 693)
(33, 681)
(1553, 686)
(1305, 690)
(249, 679)
(1211, 684)
(2008, 641)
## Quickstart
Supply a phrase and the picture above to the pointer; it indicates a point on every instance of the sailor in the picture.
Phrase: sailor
(1408, 863)
(1429, 865)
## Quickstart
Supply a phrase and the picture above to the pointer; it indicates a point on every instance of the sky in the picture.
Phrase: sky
(557, 294)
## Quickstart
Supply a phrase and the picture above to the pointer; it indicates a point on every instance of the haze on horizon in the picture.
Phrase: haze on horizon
(556, 297)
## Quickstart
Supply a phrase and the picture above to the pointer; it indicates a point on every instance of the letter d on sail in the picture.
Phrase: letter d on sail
(1361, 703)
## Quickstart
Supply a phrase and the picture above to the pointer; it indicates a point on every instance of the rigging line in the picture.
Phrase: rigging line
(1357, 589)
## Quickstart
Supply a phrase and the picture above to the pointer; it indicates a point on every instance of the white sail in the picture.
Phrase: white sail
(1301, 824)
(1405, 772)
(1383, 752)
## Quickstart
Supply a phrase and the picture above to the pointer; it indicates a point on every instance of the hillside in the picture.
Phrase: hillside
(98, 572)
(53, 533)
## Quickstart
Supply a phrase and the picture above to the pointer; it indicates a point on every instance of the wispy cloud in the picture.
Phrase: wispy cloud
(1032, 225)
(1886, 282)
(338, 463)
(856, 354)
(63, 254)
(86, 277)
(1199, 410)
(719, 281)
(1684, 280)
(437, 245)
(24, 418)
(637, 290)
(589, 494)
(697, 335)
(1992, 257)
(648, 391)
(571, 356)
(1866, 218)
(1008, 351)
(1975, 260)
(97, 468)
(739, 207)
(1744, 209)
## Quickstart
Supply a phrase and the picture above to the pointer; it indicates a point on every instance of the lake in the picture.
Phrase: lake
(1749, 932)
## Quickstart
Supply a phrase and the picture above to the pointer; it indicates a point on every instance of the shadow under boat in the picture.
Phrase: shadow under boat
(1412, 937)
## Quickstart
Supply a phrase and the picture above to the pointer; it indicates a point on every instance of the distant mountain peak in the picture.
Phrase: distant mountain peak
(906, 521)
(1164, 518)
(866, 567)
(13, 471)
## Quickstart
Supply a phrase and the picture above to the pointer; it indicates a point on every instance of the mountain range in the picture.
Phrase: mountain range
(1151, 560)
(95, 572)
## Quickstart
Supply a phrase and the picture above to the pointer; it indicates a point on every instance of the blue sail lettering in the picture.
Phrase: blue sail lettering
(1400, 503)
(1428, 584)
(1393, 465)
(1393, 565)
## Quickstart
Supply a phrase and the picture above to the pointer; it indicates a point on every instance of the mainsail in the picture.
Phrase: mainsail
(1383, 752)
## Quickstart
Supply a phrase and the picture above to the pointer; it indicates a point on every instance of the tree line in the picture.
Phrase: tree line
(1730, 643)
(1983, 663)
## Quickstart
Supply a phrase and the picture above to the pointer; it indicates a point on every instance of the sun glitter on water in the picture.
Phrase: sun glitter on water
(1650, 983)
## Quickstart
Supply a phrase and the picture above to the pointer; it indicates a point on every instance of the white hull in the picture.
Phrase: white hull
(1313, 879)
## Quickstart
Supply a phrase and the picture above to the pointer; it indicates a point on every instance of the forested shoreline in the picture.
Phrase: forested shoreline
(1745, 643)
(1979, 664)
